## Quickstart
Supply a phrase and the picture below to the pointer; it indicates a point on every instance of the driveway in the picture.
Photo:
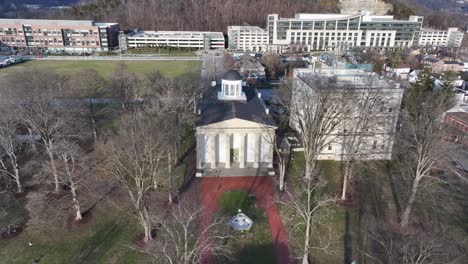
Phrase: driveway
(212, 188)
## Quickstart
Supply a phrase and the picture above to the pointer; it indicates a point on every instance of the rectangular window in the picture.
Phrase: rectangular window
(374, 145)
(329, 147)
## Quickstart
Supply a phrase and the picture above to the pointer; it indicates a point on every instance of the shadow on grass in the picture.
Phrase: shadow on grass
(251, 254)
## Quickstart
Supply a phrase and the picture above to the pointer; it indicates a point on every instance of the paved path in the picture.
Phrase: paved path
(211, 190)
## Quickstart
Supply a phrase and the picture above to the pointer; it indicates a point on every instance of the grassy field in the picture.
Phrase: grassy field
(254, 246)
(105, 68)
(108, 234)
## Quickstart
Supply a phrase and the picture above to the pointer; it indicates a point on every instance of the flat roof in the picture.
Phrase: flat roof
(176, 34)
(346, 79)
(48, 22)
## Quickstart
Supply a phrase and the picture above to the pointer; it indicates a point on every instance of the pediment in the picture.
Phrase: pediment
(236, 123)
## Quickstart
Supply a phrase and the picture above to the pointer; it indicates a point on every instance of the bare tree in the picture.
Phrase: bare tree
(306, 205)
(315, 113)
(37, 107)
(90, 85)
(127, 87)
(272, 63)
(229, 62)
(134, 160)
(369, 117)
(423, 247)
(280, 148)
(69, 155)
(10, 147)
(421, 138)
(183, 239)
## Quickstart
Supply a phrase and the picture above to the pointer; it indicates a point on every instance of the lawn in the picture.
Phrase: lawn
(254, 245)
(103, 239)
(162, 51)
(105, 68)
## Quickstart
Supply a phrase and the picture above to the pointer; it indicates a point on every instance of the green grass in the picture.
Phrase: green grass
(105, 68)
(103, 240)
(232, 201)
(162, 51)
(250, 247)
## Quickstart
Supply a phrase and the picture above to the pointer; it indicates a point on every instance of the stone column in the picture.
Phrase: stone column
(213, 150)
(200, 150)
(242, 151)
(228, 151)
(270, 150)
(256, 149)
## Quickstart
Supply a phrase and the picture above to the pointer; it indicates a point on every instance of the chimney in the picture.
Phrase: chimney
(213, 83)
(267, 111)
(199, 111)
(260, 95)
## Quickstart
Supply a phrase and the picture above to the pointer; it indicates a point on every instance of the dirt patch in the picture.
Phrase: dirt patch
(139, 240)
(11, 232)
(71, 223)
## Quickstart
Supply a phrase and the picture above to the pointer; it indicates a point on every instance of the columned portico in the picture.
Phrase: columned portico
(233, 122)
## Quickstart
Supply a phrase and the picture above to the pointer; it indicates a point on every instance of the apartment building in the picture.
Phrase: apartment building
(371, 96)
(247, 38)
(440, 38)
(58, 35)
(180, 39)
(306, 32)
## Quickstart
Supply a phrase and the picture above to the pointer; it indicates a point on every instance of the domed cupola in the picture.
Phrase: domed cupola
(231, 87)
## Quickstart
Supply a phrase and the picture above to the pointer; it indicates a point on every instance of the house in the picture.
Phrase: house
(458, 122)
(445, 66)
(251, 68)
(235, 133)
(400, 71)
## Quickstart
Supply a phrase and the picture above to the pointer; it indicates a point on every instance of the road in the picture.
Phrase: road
(212, 69)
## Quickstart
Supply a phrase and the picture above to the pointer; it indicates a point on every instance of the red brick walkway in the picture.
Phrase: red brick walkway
(211, 190)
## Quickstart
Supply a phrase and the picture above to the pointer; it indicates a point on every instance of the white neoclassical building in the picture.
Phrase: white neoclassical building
(235, 133)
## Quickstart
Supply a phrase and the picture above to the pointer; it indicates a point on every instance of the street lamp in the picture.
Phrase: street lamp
(32, 252)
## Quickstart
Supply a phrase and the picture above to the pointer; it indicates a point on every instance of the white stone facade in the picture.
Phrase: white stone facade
(440, 38)
(247, 38)
(235, 143)
(376, 142)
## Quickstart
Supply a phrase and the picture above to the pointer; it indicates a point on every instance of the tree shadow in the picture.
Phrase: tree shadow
(347, 239)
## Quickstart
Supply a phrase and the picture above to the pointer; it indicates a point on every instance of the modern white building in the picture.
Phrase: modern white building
(306, 32)
(180, 39)
(373, 140)
(247, 38)
(440, 38)
(235, 133)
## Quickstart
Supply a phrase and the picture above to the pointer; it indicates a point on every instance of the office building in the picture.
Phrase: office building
(306, 32)
(440, 38)
(247, 38)
(58, 35)
(366, 95)
(179, 39)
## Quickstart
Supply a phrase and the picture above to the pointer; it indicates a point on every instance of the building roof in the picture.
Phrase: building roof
(48, 22)
(461, 116)
(250, 63)
(214, 110)
(175, 34)
(330, 78)
(232, 75)
(453, 62)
